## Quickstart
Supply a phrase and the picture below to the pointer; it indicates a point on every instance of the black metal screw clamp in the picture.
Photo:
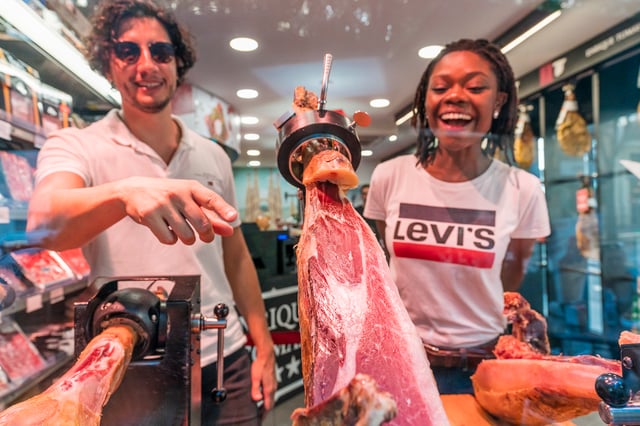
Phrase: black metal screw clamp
(220, 312)
(620, 404)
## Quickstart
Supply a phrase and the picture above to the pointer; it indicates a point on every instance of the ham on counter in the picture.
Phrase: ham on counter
(352, 319)
(526, 385)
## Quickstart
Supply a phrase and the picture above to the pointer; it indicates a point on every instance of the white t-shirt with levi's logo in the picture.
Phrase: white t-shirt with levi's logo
(447, 242)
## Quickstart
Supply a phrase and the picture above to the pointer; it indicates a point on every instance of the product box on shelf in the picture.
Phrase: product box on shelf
(20, 89)
(55, 108)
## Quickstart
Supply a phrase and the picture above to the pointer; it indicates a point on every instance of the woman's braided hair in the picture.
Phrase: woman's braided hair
(502, 128)
(107, 27)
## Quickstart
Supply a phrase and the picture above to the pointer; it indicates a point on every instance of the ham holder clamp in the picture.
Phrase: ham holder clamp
(302, 134)
(621, 394)
(162, 384)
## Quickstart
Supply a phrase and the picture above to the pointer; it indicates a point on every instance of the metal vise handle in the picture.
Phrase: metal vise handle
(220, 313)
(328, 60)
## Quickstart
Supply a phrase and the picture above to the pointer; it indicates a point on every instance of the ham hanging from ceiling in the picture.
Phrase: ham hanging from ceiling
(352, 319)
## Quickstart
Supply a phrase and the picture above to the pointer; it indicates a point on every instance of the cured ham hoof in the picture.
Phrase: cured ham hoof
(359, 403)
(536, 392)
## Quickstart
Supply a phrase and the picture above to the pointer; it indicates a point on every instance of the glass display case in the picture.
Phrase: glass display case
(589, 264)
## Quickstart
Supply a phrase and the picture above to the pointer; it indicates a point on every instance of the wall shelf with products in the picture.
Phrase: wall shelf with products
(44, 84)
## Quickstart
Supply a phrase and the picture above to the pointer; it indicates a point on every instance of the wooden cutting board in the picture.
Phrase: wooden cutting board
(464, 410)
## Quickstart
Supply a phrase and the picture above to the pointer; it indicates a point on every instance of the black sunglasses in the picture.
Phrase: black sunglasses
(162, 52)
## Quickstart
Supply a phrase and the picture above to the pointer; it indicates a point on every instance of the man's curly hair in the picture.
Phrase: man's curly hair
(107, 24)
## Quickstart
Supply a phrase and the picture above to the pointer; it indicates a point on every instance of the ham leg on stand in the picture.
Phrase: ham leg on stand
(352, 319)
(78, 396)
(526, 385)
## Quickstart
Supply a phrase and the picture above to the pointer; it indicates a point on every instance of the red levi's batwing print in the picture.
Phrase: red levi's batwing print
(447, 235)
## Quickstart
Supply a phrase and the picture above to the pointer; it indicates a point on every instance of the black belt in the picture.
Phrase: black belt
(462, 358)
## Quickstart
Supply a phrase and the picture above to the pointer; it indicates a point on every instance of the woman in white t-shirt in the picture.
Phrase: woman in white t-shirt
(459, 225)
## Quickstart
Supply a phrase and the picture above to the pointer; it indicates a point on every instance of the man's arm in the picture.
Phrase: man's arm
(247, 294)
(515, 263)
(63, 213)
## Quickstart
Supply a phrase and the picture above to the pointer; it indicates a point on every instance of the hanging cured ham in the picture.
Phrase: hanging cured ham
(571, 129)
(524, 144)
(78, 396)
(352, 319)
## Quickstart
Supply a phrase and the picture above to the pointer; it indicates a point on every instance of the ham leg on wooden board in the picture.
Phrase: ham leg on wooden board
(78, 396)
(352, 319)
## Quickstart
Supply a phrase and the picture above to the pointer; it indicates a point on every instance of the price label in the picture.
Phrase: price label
(5, 215)
(33, 303)
(56, 295)
(5, 130)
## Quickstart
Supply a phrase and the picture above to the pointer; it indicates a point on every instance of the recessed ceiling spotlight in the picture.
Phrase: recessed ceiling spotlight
(248, 119)
(253, 163)
(247, 93)
(393, 138)
(379, 103)
(366, 153)
(243, 44)
(430, 52)
(253, 152)
(251, 136)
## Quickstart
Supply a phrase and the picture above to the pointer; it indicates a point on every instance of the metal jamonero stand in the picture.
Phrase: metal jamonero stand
(304, 134)
(162, 385)
(620, 395)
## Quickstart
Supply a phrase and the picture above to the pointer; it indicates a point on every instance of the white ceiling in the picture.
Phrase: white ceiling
(374, 44)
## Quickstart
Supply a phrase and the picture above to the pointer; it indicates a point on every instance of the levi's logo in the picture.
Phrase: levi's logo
(448, 235)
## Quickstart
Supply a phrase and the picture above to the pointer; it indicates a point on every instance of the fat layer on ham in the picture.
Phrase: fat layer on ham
(352, 319)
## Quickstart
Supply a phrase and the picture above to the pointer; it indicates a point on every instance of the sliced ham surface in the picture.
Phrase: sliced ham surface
(352, 319)
(77, 397)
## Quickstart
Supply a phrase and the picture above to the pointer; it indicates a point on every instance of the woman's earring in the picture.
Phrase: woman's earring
(496, 113)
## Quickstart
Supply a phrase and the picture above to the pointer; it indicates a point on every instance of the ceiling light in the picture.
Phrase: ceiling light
(366, 153)
(253, 152)
(379, 103)
(404, 118)
(393, 138)
(253, 163)
(247, 93)
(531, 31)
(251, 136)
(243, 44)
(248, 119)
(430, 52)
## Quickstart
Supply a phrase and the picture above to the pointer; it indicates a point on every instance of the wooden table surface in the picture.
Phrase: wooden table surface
(464, 410)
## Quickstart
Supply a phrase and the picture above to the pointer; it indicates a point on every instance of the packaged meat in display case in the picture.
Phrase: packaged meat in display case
(43, 268)
(19, 358)
(76, 261)
(10, 275)
(18, 176)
